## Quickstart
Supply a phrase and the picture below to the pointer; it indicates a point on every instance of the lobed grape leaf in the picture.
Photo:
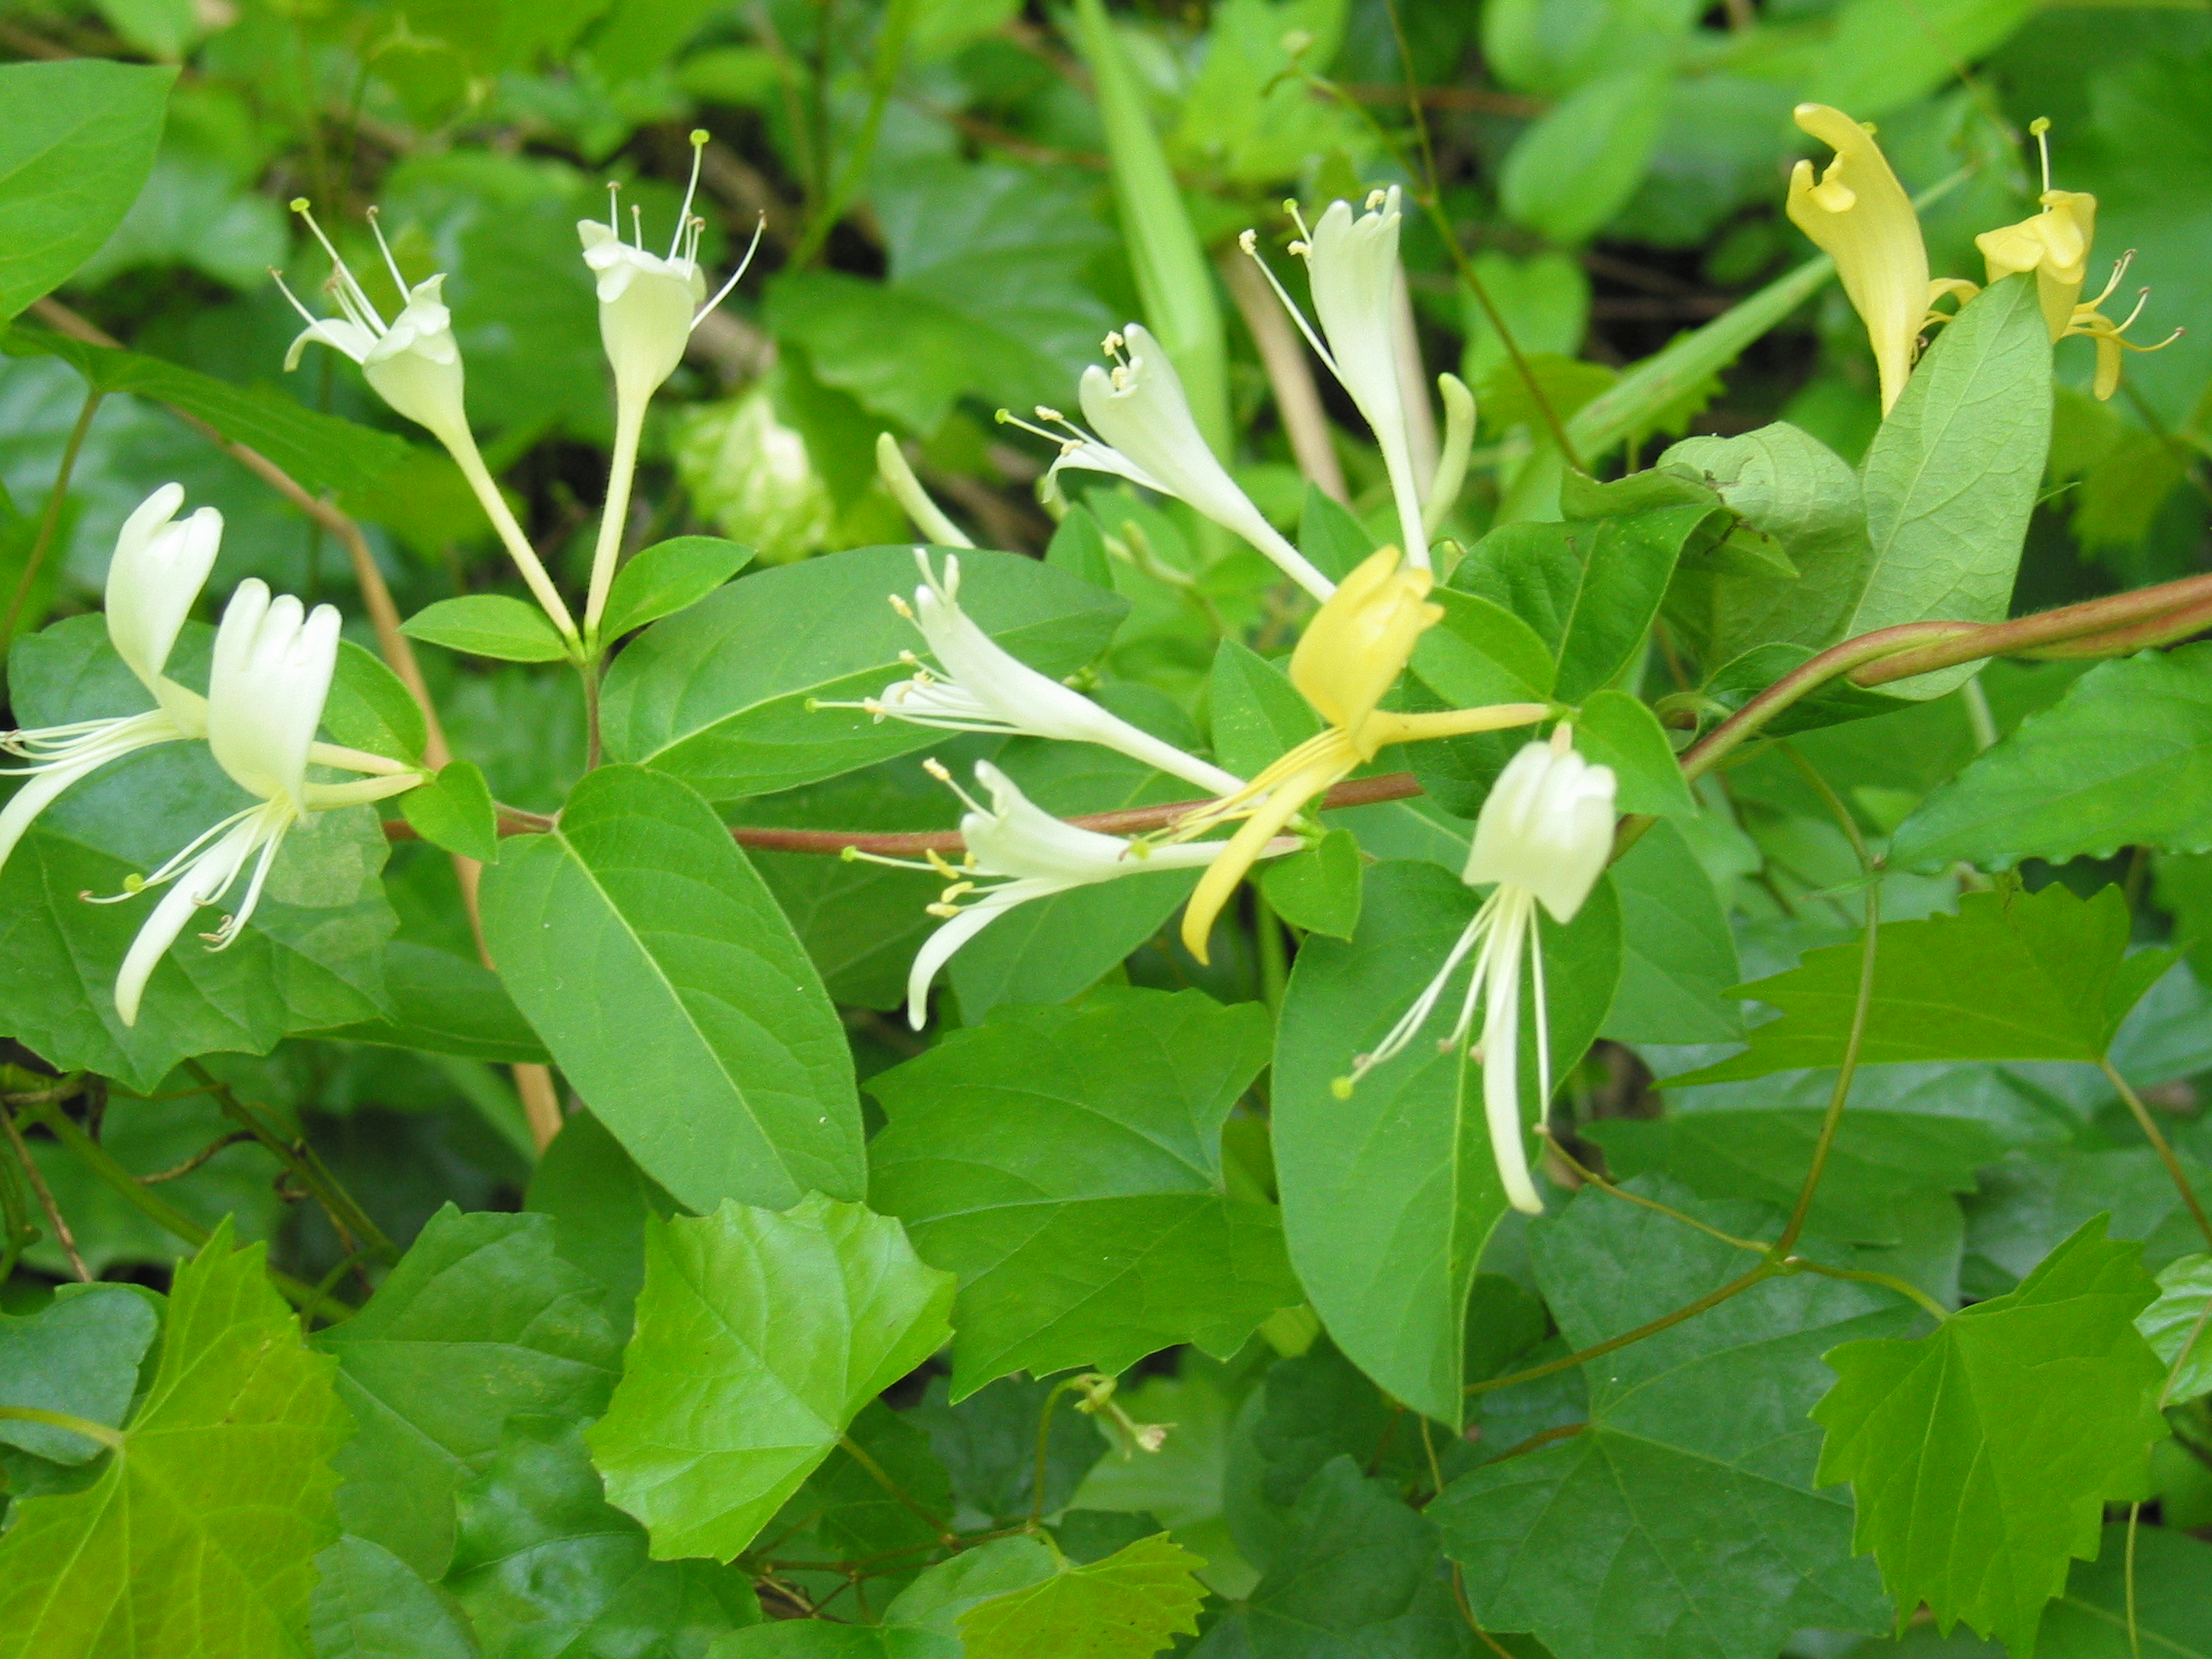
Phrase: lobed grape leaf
(1982, 1454)
(1127, 1606)
(370, 1605)
(1065, 1162)
(77, 1354)
(922, 1621)
(760, 1336)
(198, 1538)
(2178, 1326)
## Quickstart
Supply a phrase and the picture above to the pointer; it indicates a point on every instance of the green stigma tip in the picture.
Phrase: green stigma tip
(2040, 125)
(1342, 1088)
(298, 204)
(698, 134)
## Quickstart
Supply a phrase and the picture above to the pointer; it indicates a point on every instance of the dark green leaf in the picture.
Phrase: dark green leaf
(78, 1354)
(1678, 957)
(1953, 474)
(490, 625)
(2156, 1589)
(79, 141)
(1683, 1520)
(760, 1336)
(719, 695)
(370, 708)
(2125, 759)
(599, 1200)
(851, 1514)
(1127, 1606)
(1093, 1257)
(449, 1006)
(2014, 976)
(1330, 536)
(545, 1565)
(1739, 679)
(1982, 1454)
(320, 450)
(1078, 547)
(1389, 1196)
(479, 1320)
(1357, 1572)
(646, 953)
(1617, 730)
(667, 577)
(922, 1622)
(1257, 715)
(454, 810)
(988, 1441)
(1317, 889)
(370, 1605)
(1481, 653)
(200, 1536)
(1576, 166)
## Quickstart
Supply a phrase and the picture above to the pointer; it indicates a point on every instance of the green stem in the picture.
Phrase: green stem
(1736, 1286)
(51, 518)
(883, 80)
(936, 1523)
(164, 1214)
(1044, 1445)
(309, 1170)
(112, 1439)
(1867, 1276)
(621, 472)
(2160, 1145)
(61, 1235)
(1604, 1186)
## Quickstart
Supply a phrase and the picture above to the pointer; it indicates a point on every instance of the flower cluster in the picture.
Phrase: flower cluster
(1857, 213)
(267, 683)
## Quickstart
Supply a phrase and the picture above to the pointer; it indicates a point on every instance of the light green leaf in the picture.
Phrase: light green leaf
(1481, 652)
(1678, 955)
(1683, 1520)
(547, 1567)
(479, 1320)
(491, 625)
(370, 708)
(370, 1605)
(1127, 1606)
(454, 810)
(1580, 162)
(198, 1539)
(922, 1622)
(320, 450)
(667, 577)
(78, 1354)
(1389, 1196)
(1983, 1454)
(1317, 889)
(1954, 472)
(1101, 1229)
(1617, 730)
(2014, 976)
(1256, 714)
(2178, 1326)
(719, 695)
(2125, 759)
(1885, 53)
(760, 1336)
(667, 986)
(79, 141)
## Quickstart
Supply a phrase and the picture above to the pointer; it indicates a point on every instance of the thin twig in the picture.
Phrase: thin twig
(1607, 1187)
(343, 1209)
(2158, 1144)
(61, 1232)
(936, 1523)
(197, 1158)
(49, 519)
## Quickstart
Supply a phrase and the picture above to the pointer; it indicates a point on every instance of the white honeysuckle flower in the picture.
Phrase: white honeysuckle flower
(157, 570)
(266, 687)
(1146, 433)
(1544, 833)
(1351, 262)
(649, 304)
(1024, 853)
(915, 501)
(412, 362)
(984, 688)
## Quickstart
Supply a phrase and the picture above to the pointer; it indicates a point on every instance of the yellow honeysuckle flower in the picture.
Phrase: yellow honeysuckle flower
(1859, 215)
(2054, 245)
(1350, 657)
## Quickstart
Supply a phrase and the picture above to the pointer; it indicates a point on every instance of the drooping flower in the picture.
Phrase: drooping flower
(1016, 852)
(414, 364)
(978, 685)
(1352, 266)
(157, 570)
(1859, 214)
(266, 687)
(1350, 657)
(1543, 835)
(2055, 243)
(1146, 435)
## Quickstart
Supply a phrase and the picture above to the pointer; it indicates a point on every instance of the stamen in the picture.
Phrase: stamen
(1375, 199)
(638, 225)
(390, 264)
(614, 207)
(683, 213)
(342, 278)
